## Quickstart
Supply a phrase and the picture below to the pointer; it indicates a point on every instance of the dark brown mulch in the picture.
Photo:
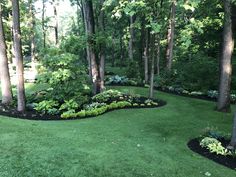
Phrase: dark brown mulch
(33, 115)
(228, 161)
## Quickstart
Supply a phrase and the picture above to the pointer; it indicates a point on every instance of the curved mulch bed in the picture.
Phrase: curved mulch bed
(33, 115)
(227, 161)
(201, 97)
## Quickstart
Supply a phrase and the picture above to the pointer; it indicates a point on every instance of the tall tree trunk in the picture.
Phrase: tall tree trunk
(102, 48)
(145, 55)
(56, 21)
(232, 144)
(158, 55)
(170, 36)
(32, 35)
(43, 24)
(18, 56)
(87, 46)
(152, 67)
(90, 28)
(121, 51)
(223, 103)
(131, 40)
(4, 69)
(113, 50)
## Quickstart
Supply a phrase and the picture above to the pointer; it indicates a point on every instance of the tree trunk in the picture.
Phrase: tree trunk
(32, 36)
(4, 69)
(131, 40)
(152, 67)
(223, 103)
(170, 36)
(90, 30)
(43, 25)
(18, 56)
(232, 144)
(56, 21)
(87, 46)
(145, 55)
(158, 55)
(102, 48)
(121, 51)
(113, 50)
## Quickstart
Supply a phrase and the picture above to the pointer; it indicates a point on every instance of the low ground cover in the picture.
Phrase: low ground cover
(140, 142)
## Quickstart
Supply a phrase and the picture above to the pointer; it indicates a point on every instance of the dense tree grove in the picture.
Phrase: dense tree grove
(183, 46)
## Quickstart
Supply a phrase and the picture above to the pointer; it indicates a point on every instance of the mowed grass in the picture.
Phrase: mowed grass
(125, 143)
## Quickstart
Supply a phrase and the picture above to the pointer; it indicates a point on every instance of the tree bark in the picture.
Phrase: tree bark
(18, 56)
(131, 40)
(170, 36)
(223, 103)
(113, 50)
(32, 36)
(158, 55)
(90, 30)
(145, 55)
(43, 25)
(152, 67)
(102, 48)
(56, 21)
(121, 51)
(4, 69)
(87, 46)
(232, 144)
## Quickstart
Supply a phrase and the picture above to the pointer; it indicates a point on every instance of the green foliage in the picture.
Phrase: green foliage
(47, 107)
(94, 105)
(108, 100)
(117, 80)
(198, 74)
(212, 93)
(214, 146)
(65, 76)
(74, 44)
(133, 70)
(150, 102)
(69, 105)
(122, 80)
(106, 96)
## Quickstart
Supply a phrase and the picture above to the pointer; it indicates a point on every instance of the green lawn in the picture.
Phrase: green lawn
(138, 142)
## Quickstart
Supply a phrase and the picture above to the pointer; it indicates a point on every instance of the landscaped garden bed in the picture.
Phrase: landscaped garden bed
(214, 147)
(210, 95)
(99, 104)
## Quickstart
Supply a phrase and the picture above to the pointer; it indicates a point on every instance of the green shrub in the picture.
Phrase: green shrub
(122, 104)
(106, 96)
(122, 80)
(65, 76)
(94, 105)
(82, 113)
(69, 114)
(69, 105)
(49, 107)
(113, 105)
(74, 44)
(214, 146)
(133, 70)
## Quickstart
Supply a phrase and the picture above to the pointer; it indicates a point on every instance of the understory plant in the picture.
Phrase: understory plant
(211, 140)
(109, 100)
(67, 79)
